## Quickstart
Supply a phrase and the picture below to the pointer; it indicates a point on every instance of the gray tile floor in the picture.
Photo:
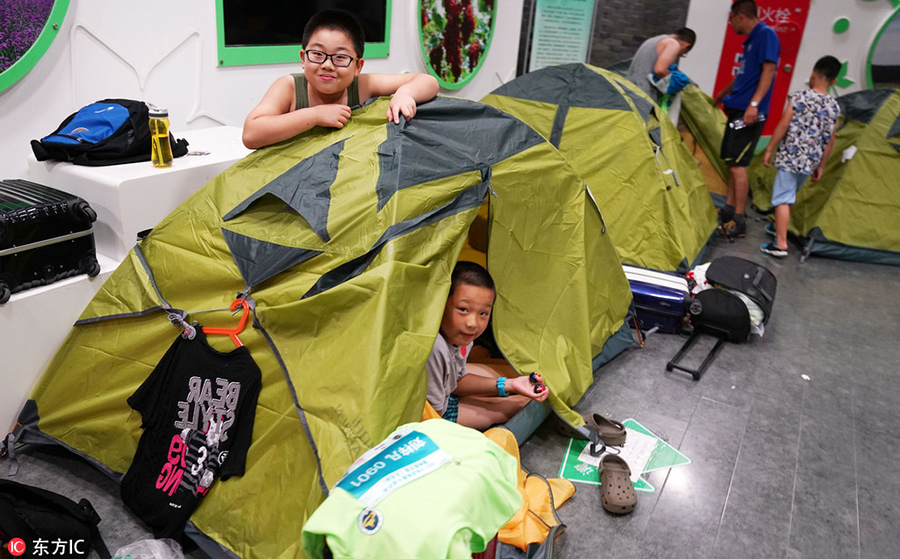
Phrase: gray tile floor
(782, 467)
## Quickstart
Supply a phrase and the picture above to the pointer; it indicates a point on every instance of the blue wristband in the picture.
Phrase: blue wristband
(501, 387)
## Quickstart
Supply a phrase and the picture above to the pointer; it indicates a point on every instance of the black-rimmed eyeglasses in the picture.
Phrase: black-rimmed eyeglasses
(319, 57)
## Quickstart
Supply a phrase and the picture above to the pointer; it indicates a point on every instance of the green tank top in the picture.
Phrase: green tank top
(301, 93)
(431, 489)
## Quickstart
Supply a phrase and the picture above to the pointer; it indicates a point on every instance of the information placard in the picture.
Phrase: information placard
(561, 33)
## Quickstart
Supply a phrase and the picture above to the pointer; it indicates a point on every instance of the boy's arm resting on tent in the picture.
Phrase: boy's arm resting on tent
(272, 120)
(407, 89)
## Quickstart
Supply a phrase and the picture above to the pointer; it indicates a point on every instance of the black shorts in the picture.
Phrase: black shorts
(739, 142)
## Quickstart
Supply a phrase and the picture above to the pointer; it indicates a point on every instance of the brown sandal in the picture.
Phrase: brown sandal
(610, 431)
(617, 492)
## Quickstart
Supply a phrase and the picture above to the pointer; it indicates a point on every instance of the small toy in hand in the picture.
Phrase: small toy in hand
(538, 382)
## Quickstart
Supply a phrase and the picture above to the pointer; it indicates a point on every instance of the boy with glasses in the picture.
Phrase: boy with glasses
(330, 85)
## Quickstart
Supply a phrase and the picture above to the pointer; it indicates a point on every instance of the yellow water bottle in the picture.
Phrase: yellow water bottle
(160, 147)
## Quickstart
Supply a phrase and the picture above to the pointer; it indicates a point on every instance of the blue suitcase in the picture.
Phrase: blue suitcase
(661, 299)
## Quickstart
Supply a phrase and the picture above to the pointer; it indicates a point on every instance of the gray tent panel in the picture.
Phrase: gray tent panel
(456, 138)
(559, 123)
(895, 132)
(259, 260)
(574, 85)
(656, 136)
(305, 187)
(644, 106)
(895, 128)
(862, 105)
(472, 197)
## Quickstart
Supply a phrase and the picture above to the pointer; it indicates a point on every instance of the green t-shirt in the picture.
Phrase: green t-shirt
(433, 489)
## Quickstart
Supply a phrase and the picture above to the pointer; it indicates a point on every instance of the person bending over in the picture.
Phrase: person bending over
(654, 61)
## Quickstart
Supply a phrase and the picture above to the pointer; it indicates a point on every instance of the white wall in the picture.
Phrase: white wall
(171, 61)
(709, 18)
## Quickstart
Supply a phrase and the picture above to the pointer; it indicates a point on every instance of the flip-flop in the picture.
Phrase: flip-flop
(617, 493)
(610, 431)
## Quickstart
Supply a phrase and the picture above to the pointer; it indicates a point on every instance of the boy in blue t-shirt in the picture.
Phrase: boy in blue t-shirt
(804, 138)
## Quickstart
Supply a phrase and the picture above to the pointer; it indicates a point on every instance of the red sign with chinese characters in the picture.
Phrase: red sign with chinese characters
(788, 19)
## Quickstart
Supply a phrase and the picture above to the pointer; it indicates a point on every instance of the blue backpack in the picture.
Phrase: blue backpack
(107, 132)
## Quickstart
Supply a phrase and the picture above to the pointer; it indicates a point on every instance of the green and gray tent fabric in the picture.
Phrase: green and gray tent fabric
(655, 201)
(343, 242)
(853, 211)
(706, 123)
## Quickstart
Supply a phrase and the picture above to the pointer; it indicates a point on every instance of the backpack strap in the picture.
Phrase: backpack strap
(87, 509)
(179, 146)
(9, 450)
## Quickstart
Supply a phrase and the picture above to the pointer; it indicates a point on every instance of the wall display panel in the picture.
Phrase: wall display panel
(561, 32)
(270, 31)
(27, 28)
(883, 65)
(455, 36)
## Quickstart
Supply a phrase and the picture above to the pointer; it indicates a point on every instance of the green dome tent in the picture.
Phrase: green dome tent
(706, 123)
(852, 213)
(343, 242)
(655, 201)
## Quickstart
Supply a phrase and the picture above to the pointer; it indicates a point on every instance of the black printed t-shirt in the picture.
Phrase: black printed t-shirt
(197, 409)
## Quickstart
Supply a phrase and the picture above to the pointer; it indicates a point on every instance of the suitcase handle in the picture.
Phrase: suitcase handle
(707, 361)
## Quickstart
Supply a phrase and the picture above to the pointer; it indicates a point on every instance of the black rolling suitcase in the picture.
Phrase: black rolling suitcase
(45, 235)
(722, 313)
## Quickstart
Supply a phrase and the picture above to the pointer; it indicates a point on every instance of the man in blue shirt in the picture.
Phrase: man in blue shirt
(746, 102)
